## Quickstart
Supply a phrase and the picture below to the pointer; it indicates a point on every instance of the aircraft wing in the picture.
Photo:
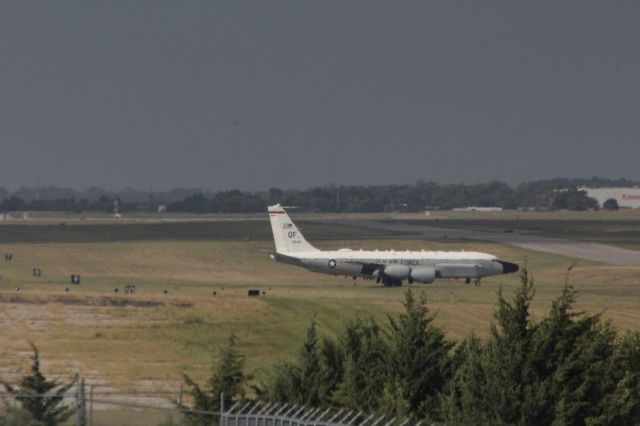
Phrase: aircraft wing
(368, 268)
(286, 259)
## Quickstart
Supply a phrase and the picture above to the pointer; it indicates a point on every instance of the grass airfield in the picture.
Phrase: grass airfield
(147, 340)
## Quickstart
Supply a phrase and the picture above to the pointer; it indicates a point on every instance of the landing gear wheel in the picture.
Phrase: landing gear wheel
(467, 280)
(477, 282)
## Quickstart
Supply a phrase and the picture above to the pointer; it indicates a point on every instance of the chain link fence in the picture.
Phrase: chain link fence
(269, 414)
(93, 406)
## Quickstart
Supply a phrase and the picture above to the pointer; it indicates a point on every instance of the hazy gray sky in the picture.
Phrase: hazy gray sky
(255, 94)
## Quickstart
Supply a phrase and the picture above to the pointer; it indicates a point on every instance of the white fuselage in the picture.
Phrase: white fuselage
(447, 264)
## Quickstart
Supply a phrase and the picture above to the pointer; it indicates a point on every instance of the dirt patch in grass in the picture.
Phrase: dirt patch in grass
(87, 301)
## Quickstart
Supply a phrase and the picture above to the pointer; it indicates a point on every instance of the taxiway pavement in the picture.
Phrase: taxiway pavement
(579, 249)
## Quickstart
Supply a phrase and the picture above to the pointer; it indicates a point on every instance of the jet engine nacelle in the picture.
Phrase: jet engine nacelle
(424, 274)
(397, 272)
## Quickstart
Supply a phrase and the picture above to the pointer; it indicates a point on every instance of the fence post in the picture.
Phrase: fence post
(90, 405)
(80, 404)
(181, 415)
(221, 408)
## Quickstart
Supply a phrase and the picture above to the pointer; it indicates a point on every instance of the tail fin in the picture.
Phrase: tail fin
(286, 235)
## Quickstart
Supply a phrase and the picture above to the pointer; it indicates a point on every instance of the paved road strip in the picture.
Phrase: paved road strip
(584, 250)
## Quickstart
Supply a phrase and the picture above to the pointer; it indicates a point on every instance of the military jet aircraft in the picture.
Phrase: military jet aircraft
(387, 266)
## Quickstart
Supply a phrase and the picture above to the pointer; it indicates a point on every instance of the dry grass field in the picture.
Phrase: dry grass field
(147, 340)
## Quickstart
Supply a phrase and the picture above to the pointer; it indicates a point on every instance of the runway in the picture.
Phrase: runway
(584, 250)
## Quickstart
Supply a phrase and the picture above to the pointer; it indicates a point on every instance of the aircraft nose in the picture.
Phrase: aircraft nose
(508, 267)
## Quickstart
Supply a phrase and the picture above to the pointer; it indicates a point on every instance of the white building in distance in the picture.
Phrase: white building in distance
(477, 209)
(626, 197)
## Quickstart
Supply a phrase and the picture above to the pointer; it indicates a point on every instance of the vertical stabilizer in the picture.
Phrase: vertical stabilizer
(286, 235)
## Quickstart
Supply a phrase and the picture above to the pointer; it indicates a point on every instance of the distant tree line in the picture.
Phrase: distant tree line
(554, 194)
(566, 368)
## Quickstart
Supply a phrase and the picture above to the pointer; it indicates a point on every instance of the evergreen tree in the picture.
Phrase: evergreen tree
(490, 379)
(228, 378)
(566, 369)
(570, 349)
(13, 416)
(39, 397)
(394, 401)
(621, 403)
(332, 358)
(282, 384)
(304, 381)
(419, 362)
(310, 378)
(365, 365)
(508, 349)
(466, 391)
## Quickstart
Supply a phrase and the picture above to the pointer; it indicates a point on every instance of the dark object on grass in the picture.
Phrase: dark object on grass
(37, 272)
(254, 293)
(75, 279)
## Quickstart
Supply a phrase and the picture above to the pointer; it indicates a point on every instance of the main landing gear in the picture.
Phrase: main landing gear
(476, 281)
(390, 282)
